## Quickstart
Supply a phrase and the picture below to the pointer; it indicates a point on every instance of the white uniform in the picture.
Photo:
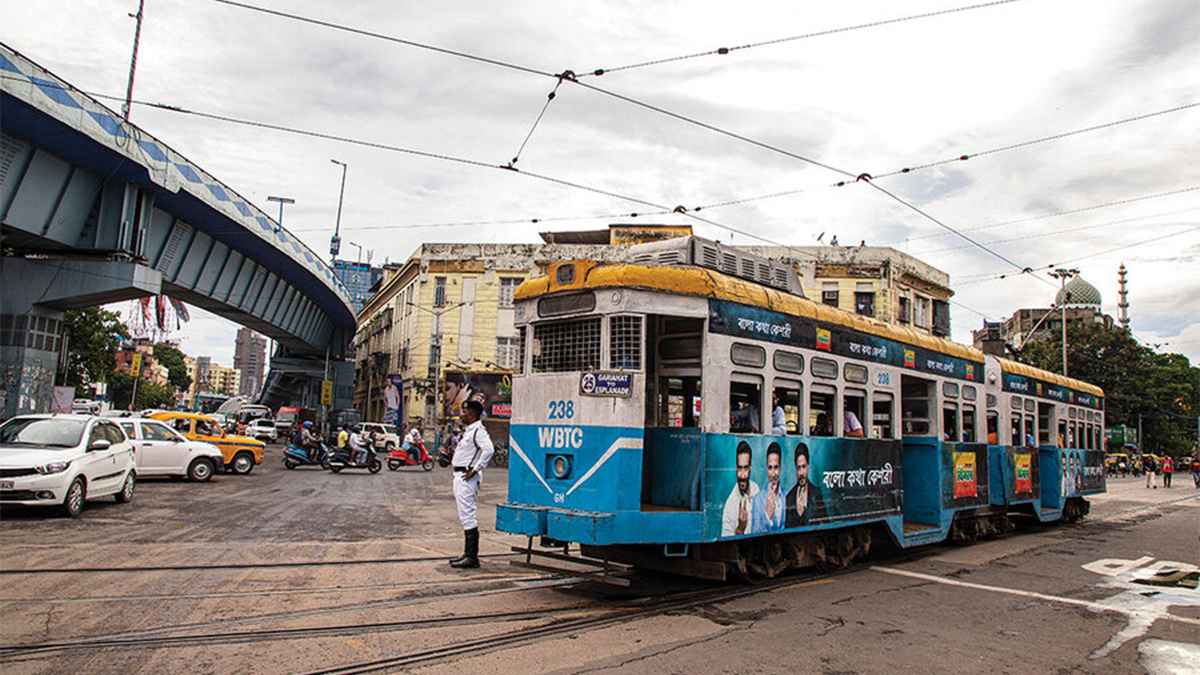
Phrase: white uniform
(474, 450)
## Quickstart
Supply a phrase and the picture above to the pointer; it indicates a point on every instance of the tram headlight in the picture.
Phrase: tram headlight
(560, 466)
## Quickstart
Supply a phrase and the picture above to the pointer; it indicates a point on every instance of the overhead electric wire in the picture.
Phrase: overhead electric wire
(993, 276)
(803, 36)
(511, 221)
(536, 122)
(1055, 233)
(390, 38)
(1043, 139)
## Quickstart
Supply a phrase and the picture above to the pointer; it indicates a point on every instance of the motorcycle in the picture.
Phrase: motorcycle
(294, 456)
(347, 458)
(403, 457)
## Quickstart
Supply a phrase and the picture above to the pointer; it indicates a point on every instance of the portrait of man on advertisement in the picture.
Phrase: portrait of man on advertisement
(803, 501)
(769, 503)
(736, 518)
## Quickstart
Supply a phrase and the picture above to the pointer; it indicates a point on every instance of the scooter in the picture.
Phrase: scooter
(403, 457)
(294, 456)
(348, 458)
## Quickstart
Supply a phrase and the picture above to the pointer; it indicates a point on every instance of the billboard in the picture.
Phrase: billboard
(393, 400)
(756, 484)
(493, 390)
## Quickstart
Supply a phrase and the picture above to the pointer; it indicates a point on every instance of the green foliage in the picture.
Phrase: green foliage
(91, 344)
(172, 359)
(1163, 388)
(149, 394)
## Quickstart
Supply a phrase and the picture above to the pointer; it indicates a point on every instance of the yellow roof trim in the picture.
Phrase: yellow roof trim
(701, 282)
(1010, 366)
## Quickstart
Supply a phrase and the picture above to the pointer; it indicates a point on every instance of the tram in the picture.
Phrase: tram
(690, 411)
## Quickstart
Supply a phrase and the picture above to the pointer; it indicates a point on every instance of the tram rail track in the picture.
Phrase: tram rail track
(235, 566)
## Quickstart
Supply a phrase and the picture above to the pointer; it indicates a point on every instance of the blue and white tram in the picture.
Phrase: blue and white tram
(712, 423)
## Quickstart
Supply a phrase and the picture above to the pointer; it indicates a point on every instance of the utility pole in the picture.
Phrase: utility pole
(435, 356)
(335, 244)
(137, 38)
(1062, 274)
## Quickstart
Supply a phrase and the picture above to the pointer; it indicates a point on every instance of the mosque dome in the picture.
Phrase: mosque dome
(1079, 293)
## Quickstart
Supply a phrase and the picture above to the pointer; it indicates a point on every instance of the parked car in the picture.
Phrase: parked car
(241, 453)
(64, 460)
(263, 429)
(160, 451)
(387, 437)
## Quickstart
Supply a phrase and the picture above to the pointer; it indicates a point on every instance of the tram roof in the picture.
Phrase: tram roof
(706, 283)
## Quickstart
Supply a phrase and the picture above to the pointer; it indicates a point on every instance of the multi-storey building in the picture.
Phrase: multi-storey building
(250, 357)
(359, 278)
(450, 306)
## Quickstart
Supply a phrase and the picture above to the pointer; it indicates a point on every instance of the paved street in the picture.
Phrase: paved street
(295, 571)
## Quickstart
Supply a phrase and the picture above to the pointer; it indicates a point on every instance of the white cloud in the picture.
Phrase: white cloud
(872, 100)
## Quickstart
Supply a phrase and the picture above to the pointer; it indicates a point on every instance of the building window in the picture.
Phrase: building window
(439, 291)
(864, 303)
(625, 342)
(563, 346)
(941, 318)
(508, 352)
(508, 287)
(829, 295)
(921, 312)
(904, 310)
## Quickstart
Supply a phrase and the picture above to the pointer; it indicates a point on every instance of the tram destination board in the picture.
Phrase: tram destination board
(615, 385)
(756, 323)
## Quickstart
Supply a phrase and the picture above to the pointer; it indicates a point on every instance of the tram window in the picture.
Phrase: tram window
(1044, 422)
(916, 412)
(679, 401)
(1016, 437)
(1062, 433)
(1030, 405)
(1030, 433)
(786, 408)
(824, 368)
(881, 416)
(680, 348)
(991, 400)
(855, 373)
(820, 411)
(1071, 413)
(1071, 439)
(1016, 403)
(968, 393)
(968, 423)
(625, 342)
(949, 390)
(752, 356)
(993, 427)
(567, 345)
(745, 415)
(950, 421)
(854, 405)
(789, 362)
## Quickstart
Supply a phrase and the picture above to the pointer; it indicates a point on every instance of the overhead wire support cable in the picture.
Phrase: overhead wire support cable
(793, 38)
(541, 114)
(390, 38)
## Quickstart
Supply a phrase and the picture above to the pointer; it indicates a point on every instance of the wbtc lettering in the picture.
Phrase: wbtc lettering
(560, 437)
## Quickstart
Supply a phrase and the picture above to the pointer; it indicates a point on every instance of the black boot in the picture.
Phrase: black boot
(470, 559)
(454, 562)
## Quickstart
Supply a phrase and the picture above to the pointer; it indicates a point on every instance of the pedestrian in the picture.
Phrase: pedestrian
(1196, 470)
(471, 455)
(1149, 467)
(1168, 468)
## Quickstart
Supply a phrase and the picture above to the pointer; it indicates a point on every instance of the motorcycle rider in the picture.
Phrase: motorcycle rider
(309, 441)
(359, 442)
(412, 443)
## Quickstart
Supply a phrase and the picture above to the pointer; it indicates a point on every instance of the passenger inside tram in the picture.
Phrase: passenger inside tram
(820, 413)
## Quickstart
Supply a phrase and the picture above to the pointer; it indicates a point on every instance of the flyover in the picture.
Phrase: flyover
(94, 209)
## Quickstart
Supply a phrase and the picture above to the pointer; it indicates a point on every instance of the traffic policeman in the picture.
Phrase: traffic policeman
(471, 455)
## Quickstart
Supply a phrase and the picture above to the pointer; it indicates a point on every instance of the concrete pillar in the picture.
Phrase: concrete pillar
(30, 343)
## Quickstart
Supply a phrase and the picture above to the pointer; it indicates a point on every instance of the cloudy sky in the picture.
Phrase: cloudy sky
(871, 100)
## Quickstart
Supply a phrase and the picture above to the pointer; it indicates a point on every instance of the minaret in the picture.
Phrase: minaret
(1124, 293)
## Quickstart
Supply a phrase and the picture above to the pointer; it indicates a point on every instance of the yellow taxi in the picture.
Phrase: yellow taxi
(241, 453)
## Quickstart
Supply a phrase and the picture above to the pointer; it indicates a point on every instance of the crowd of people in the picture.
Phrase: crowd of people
(1157, 470)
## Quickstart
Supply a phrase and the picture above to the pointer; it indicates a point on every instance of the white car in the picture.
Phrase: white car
(387, 437)
(64, 460)
(160, 451)
(263, 429)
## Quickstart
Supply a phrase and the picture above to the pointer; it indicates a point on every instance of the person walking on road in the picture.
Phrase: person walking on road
(1168, 468)
(471, 455)
(1148, 466)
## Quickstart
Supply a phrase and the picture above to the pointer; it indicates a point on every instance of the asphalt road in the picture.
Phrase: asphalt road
(293, 571)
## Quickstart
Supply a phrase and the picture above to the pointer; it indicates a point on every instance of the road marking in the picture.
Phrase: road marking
(1095, 606)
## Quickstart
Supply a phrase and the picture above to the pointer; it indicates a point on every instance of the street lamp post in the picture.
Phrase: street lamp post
(335, 244)
(435, 348)
(282, 201)
(1062, 274)
(137, 38)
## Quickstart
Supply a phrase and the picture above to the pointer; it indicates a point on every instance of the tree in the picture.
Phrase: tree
(1163, 389)
(149, 394)
(171, 358)
(92, 338)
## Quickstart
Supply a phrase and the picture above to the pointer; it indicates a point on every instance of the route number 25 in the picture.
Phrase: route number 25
(561, 410)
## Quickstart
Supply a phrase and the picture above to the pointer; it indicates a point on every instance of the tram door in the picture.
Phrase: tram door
(671, 454)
